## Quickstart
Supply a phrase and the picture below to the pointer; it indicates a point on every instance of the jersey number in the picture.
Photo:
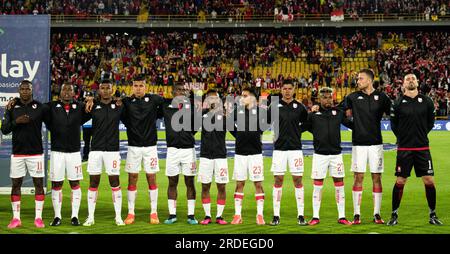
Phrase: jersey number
(257, 170)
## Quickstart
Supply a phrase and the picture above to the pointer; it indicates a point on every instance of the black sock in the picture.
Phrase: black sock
(397, 194)
(430, 192)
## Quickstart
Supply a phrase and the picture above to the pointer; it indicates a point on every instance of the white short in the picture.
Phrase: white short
(65, 163)
(146, 155)
(361, 155)
(251, 165)
(21, 163)
(209, 168)
(181, 161)
(97, 159)
(321, 164)
(280, 160)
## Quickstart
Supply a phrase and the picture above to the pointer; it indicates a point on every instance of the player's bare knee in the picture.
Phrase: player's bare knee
(428, 180)
(279, 180)
(151, 179)
(114, 181)
(338, 179)
(74, 184)
(297, 180)
(173, 181)
(221, 187)
(401, 180)
(240, 186)
(132, 179)
(57, 184)
(206, 187)
(258, 187)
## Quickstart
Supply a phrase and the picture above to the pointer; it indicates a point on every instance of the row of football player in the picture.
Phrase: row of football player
(412, 118)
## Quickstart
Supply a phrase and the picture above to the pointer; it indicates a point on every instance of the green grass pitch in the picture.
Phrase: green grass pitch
(413, 214)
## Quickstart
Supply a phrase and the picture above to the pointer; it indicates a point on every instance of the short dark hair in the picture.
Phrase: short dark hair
(105, 81)
(325, 90)
(368, 72)
(25, 82)
(139, 78)
(68, 84)
(250, 90)
(211, 91)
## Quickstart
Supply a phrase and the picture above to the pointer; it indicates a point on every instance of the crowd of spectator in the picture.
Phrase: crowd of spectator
(239, 9)
(198, 58)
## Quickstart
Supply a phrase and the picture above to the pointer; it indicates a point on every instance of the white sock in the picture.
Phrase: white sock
(191, 206)
(15, 205)
(92, 201)
(131, 194)
(299, 197)
(259, 203)
(117, 199)
(377, 194)
(220, 207)
(357, 196)
(172, 206)
(76, 201)
(340, 198)
(276, 195)
(207, 206)
(317, 198)
(153, 192)
(238, 197)
(57, 201)
(39, 202)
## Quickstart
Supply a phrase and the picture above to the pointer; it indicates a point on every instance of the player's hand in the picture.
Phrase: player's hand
(23, 119)
(89, 105)
(315, 108)
(11, 104)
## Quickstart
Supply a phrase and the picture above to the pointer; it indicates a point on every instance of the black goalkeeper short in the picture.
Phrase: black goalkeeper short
(420, 160)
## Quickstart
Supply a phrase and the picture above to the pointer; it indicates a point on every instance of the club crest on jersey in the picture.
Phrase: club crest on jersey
(17, 106)
(360, 98)
(376, 97)
(74, 106)
(420, 100)
(205, 115)
(333, 112)
(254, 111)
(295, 105)
(219, 117)
(98, 107)
(113, 106)
(34, 106)
(146, 99)
(187, 106)
(280, 105)
(58, 105)
(404, 101)
(133, 100)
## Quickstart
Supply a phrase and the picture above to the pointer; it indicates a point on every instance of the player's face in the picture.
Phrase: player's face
(212, 100)
(410, 82)
(326, 100)
(25, 92)
(67, 92)
(105, 91)
(139, 88)
(363, 81)
(180, 91)
(246, 98)
(287, 91)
